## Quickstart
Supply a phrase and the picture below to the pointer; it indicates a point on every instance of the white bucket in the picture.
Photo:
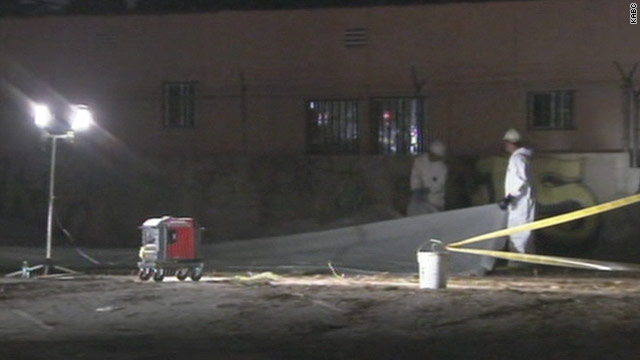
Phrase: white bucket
(432, 269)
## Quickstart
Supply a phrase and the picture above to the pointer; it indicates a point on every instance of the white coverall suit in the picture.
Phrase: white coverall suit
(427, 177)
(522, 208)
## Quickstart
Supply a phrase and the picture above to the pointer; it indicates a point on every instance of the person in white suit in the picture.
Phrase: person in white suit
(519, 200)
(428, 179)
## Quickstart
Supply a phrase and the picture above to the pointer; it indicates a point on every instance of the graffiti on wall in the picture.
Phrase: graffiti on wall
(560, 189)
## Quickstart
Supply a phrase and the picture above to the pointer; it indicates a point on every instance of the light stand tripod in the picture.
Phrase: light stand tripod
(48, 266)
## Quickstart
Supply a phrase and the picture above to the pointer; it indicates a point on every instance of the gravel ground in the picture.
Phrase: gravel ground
(265, 316)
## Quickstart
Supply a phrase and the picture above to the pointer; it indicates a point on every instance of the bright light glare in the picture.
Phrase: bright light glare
(41, 115)
(81, 118)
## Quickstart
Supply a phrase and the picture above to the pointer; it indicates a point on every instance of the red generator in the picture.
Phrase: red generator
(170, 246)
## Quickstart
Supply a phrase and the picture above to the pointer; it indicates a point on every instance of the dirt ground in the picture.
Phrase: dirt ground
(266, 316)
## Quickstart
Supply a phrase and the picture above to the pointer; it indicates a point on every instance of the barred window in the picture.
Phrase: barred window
(179, 100)
(550, 110)
(332, 127)
(399, 125)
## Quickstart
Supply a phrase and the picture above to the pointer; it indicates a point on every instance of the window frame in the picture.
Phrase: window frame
(338, 144)
(187, 103)
(420, 122)
(554, 124)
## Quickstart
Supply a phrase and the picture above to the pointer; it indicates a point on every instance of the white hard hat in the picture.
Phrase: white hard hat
(437, 148)
(512, 136)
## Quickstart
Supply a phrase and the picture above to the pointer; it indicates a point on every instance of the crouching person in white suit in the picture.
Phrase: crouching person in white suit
(428, 179)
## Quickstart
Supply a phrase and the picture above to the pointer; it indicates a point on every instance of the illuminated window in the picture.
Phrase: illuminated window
(399, 125)
(550, 110)
(179, 104)
(332, 126)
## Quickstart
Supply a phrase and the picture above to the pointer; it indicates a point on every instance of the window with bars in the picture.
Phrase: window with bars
(551, 110)
(398, 125)
(332, 127)
(179, 101)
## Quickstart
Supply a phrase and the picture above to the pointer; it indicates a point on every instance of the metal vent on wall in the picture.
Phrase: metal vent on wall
(105, 41)
(355, 37)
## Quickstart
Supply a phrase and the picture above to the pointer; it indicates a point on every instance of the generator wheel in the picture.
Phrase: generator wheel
(158, 275)
(196, 274)
(144, 274)
(182, 274)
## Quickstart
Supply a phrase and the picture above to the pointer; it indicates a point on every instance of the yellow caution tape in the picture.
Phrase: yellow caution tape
(555, 220)
(547, 259)
(553, 260)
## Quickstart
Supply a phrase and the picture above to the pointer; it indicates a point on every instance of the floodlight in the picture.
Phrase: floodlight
(41, 115)
(81, 118)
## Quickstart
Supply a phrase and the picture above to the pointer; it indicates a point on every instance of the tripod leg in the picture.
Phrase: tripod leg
(66, 270)
(25, 271)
